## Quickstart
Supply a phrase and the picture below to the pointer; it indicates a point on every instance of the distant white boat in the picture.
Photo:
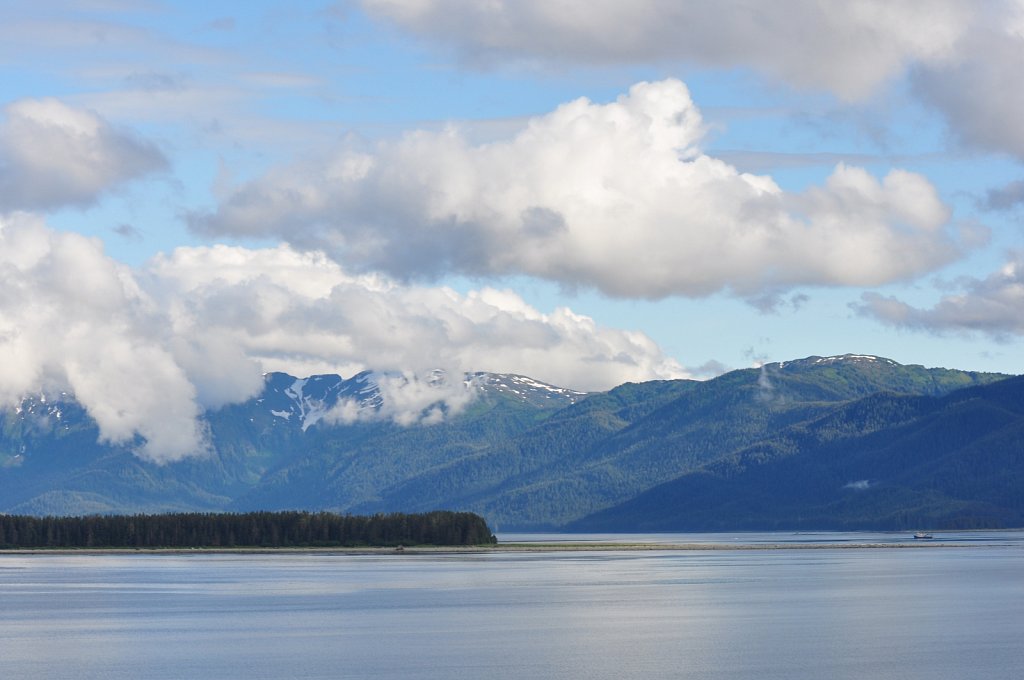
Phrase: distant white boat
(921, 534)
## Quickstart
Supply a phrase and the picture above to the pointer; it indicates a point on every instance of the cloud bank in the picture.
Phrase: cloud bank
(54, 155)
(847, 47)
(613, 196)
(147, 350)
(302, 313)
(963, 58)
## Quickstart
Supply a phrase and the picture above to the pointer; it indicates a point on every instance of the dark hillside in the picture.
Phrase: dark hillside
(884, 462)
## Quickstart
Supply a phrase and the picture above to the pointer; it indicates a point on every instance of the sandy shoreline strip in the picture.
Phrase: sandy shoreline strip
(500, 548)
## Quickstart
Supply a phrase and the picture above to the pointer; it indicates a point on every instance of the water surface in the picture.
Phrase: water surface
(936, 613)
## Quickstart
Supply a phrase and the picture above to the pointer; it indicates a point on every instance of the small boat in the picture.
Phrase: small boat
(921, 534)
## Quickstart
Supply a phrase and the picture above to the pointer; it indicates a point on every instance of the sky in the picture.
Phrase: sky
(588, 193)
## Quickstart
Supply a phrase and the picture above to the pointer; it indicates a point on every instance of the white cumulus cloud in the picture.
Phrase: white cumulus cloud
(73, 319)
(53, 155)
(614, 196)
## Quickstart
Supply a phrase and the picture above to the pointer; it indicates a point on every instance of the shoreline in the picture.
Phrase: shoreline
(486, 549)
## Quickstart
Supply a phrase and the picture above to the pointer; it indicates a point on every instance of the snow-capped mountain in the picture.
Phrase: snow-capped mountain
(304, 402)
(864, 359)
(526, 389)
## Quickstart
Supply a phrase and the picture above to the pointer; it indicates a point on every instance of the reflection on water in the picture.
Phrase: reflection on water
(879, 613)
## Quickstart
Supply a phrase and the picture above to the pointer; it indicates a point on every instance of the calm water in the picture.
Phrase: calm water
(831, 613)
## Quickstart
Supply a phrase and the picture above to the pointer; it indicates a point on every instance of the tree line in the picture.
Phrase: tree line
(289, 529)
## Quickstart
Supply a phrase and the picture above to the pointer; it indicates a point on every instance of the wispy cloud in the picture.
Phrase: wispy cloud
(993, 305)
(409, 399)
(1006, 197)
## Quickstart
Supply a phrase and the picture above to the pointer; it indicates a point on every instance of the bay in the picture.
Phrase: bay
(837, 612)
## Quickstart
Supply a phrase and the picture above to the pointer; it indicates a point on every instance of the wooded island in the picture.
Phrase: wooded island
(289, 529)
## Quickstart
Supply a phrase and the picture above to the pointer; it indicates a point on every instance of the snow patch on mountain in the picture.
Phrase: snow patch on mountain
(405, 398)
(854, 357)
(41, 409)
(839, 358)
(525, 388)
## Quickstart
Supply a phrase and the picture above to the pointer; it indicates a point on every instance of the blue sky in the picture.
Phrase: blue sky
(584, 192)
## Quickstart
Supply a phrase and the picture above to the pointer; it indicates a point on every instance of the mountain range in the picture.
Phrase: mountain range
(844, 442)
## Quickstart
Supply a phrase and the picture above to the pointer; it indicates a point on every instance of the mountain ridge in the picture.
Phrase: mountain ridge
(524, 454)
(912, 460)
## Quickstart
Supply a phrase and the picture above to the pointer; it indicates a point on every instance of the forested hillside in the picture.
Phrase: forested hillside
(526, 455)
(886, 461)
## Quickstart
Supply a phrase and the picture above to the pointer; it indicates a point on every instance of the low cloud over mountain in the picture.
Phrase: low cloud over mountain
(146, 349)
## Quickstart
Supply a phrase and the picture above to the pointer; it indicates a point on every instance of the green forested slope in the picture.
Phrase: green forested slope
(886, 461)
(702, 423)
